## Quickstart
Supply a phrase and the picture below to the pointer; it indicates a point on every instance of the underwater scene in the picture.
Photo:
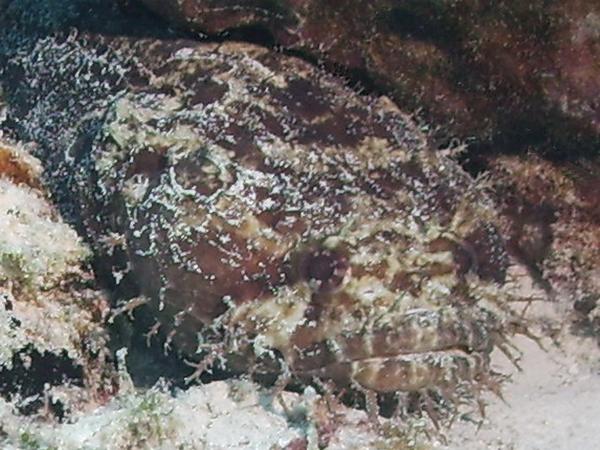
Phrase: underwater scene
(299, 224)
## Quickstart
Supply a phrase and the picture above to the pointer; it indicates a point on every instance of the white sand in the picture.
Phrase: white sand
(553, 404)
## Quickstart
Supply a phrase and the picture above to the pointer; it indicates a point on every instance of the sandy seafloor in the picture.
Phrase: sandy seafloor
(553, 404)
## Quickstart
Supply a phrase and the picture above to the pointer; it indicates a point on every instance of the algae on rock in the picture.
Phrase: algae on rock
(51, 333)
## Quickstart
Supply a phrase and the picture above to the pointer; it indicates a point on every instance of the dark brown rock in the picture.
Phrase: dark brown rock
(552, 218)
(512, 73)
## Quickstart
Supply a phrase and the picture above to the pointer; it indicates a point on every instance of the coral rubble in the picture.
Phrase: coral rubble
(52, 351)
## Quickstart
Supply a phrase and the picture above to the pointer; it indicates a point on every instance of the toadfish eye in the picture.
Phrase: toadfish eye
(325, 269)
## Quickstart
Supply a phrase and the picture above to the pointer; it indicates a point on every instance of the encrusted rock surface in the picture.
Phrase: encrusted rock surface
(158, 420)
(52, 353)
(510, 72)
(552, 218)
(266, 216)
(232, 415)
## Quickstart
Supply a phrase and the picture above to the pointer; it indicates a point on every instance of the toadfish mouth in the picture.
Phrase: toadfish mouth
(337, 321)
(408, 373)
(406, 351)
(420, 349)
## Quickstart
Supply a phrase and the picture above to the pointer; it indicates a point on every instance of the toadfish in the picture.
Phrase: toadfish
(267, 214)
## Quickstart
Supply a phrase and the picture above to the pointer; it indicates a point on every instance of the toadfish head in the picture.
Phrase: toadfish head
(263, 199)
(264, 208)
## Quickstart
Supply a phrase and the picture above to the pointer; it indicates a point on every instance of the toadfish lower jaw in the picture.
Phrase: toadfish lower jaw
(447, 369)
(419, 350)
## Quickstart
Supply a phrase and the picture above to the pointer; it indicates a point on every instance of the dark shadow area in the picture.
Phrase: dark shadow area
(583, 324)
(252, 34)
(551, 135)
(112, 18)
(148, 360)
(423, 20)
(31, 373)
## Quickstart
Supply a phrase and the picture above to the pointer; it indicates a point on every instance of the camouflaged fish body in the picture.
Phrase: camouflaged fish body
(266, 211)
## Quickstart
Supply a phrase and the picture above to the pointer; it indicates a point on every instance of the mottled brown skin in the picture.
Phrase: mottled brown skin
(268, 213)
(513, 73)
(254, 227)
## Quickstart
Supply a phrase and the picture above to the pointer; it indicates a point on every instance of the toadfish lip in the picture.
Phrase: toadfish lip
(445, 369)
(419, 349)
